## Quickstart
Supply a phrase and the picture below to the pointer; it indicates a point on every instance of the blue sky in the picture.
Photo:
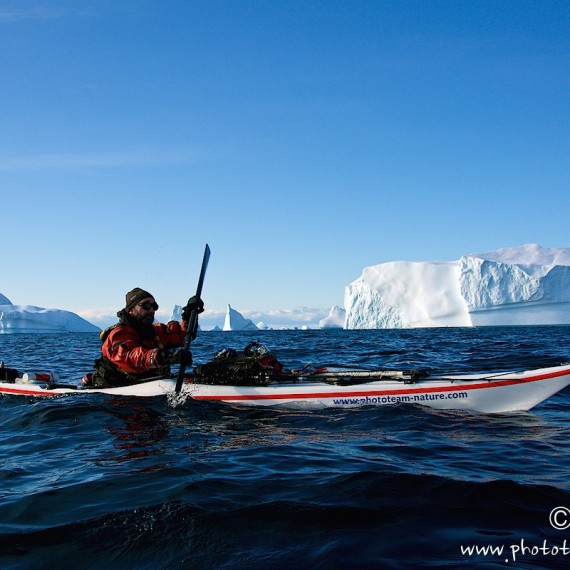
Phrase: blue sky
(303, 141)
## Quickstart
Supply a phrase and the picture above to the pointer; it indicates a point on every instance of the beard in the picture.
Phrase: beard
(143, 326)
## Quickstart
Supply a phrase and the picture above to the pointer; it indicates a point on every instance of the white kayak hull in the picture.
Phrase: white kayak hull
(505, 392)
(517, 391)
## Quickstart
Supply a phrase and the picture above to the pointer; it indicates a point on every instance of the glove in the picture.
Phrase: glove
(173, 356)
(194, 304)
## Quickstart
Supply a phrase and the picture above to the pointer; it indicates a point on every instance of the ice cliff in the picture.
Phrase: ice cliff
(527, 285)
(31, 319)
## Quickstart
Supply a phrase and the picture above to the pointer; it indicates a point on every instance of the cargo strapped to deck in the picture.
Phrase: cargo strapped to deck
(349, 377)
(254, 366)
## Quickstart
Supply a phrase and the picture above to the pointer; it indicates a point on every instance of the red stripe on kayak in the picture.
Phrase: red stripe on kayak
(27, 392)
(379, 392)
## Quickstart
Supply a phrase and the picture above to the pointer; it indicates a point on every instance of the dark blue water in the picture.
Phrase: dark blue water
(99, 482)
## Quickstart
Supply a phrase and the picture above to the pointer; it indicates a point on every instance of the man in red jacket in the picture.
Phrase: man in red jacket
(137, 348)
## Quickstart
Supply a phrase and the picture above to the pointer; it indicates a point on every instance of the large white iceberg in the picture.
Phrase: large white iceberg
(31, 319)
(235, 321)
(527, 285)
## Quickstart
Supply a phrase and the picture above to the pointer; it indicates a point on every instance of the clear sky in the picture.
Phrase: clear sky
(303, 140)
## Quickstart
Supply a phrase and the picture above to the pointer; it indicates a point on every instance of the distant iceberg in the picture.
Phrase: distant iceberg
(527, 285)
(335, 320)
(235, 321)
(176, 314)
(31, 319)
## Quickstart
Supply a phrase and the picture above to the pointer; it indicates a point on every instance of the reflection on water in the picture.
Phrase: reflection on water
(138, 433)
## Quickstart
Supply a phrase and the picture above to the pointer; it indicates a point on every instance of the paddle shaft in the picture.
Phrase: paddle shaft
(192, 327)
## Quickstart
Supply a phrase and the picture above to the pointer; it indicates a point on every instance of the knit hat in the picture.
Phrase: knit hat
(134, 296)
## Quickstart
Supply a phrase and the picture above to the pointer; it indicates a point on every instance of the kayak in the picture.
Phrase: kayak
(345, 388)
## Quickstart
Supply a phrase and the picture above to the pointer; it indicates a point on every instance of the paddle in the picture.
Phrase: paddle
(192, 329)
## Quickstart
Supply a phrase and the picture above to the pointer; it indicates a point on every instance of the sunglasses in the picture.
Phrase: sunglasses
(147, 306)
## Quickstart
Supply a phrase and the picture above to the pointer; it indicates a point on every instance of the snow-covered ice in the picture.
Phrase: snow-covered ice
(527, 285)
(31, 319)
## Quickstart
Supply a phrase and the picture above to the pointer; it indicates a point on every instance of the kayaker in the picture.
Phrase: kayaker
(137, 348)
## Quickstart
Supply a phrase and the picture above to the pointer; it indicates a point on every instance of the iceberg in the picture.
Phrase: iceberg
(526, 285)
(176, 314)
(31, 319)
(335, 320)
(235, 321)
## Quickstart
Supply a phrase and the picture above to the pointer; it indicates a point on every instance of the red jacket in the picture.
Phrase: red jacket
(126, 349)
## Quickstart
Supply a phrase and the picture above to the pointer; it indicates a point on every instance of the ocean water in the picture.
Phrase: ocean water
(99, 482)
